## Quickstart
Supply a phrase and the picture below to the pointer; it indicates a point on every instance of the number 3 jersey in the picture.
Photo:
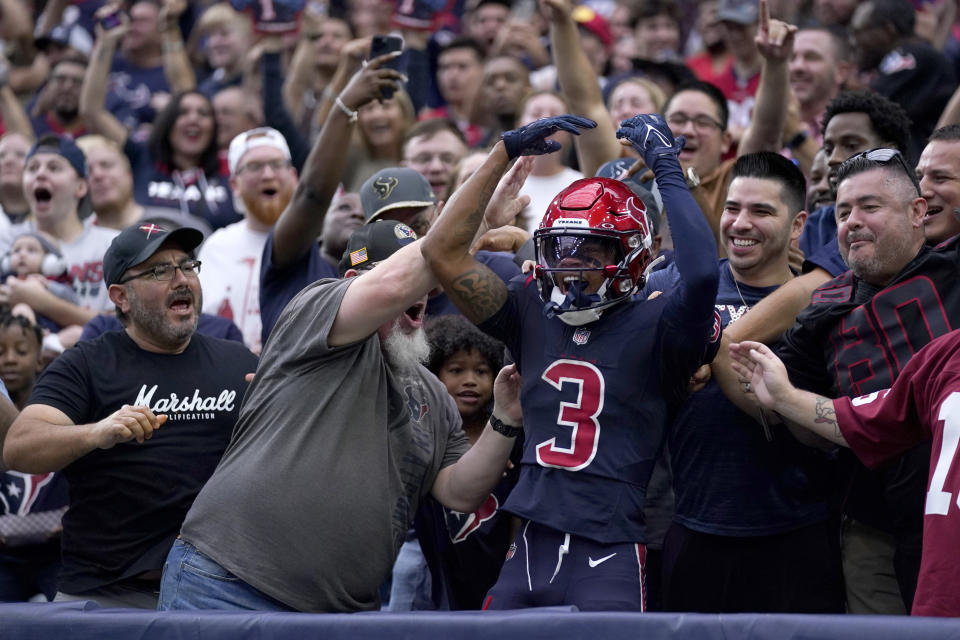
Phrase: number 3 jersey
(595, 401)
(924, 403)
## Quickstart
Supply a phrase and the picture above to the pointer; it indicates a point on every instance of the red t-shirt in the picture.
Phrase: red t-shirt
(740, 94)
(923, 403)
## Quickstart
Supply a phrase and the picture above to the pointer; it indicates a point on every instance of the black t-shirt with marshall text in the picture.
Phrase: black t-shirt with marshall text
(127, 502)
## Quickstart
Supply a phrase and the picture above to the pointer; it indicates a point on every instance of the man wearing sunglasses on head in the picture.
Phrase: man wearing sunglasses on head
(136, 420)
(856, 336)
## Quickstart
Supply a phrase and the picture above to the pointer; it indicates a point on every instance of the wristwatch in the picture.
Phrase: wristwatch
(507, 430)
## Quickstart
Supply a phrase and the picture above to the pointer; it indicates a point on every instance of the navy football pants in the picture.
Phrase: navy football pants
(546, 567)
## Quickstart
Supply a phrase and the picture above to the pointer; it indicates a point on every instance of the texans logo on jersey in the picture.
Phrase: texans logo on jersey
(717, 327)
(415, 403)
(20, 490)
(461, 525)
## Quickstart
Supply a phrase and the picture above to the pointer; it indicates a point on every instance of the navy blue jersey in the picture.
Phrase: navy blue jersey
(280, 285)
(819, 230)
(728, 478)
(595, 398)
(827, 258)
(465, 550)
(189, 192)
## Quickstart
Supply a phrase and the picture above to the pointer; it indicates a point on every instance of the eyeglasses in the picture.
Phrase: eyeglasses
(884, 157)
(256, 166)
(61, 79)
(166, 272)
(423, 159)
(701, 123)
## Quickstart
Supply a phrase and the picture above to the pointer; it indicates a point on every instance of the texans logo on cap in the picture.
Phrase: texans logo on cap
(384, 186)
(403, 232)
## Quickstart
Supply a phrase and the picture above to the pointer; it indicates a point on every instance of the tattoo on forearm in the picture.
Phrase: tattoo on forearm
(481, 290)
(464, 233)
(826, 414)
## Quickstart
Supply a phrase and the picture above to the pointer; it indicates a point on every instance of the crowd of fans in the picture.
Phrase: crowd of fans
(278, 145)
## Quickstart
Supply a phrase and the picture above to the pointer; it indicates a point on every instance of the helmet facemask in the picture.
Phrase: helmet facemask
(592, 249)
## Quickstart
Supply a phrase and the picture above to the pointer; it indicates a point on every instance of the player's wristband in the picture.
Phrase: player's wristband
(507, 430)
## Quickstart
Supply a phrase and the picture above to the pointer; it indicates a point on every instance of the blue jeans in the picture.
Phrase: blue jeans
(410, 590)
(192, 580)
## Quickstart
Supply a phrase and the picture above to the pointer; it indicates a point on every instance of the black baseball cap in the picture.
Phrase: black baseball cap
(61, 146)
(138, 242)
(373, 242)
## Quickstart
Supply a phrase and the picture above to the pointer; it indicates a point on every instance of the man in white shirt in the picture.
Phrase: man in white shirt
(262, 176)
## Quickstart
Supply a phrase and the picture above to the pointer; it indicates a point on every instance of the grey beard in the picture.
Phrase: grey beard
(405, 351)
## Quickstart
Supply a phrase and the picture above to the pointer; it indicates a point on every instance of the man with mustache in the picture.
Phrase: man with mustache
(97, 413)
(261, 174)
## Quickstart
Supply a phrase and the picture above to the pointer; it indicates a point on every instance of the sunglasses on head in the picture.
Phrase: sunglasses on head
(884, 157)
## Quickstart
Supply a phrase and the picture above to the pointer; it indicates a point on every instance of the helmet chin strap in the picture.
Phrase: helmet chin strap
(563, 306)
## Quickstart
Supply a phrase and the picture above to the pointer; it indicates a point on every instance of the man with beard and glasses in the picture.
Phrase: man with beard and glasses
(262, 176)
(341, 434)
(99, 414)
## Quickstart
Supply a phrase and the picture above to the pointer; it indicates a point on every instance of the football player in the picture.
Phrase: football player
(599, 367)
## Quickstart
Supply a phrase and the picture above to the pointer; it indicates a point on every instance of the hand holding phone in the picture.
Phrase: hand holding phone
(111, 20)
(382, 44)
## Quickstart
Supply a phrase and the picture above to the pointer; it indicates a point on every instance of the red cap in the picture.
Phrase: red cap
(594, 23)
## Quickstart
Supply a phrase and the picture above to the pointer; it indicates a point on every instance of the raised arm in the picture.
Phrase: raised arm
(176, 63)
(351, 57)
(771, 386)
(93, 94)
(275, 114)
(775, 41)
(464, 485)
(580, 87)
(476, 290)
(299, 225)
(44, 439)
(695, 249)
(11, 111)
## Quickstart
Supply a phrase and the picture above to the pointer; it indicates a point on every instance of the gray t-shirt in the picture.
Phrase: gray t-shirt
(327, 464)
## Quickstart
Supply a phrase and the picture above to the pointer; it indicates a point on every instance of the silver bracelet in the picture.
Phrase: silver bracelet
(351, 114)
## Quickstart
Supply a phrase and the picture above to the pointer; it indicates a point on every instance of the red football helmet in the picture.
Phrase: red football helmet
(595, 224)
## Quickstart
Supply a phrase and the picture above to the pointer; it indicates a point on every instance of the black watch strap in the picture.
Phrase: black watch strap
(505, 429)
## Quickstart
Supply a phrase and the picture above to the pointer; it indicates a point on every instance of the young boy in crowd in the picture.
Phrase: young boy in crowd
(465, 550)
(30, 505)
